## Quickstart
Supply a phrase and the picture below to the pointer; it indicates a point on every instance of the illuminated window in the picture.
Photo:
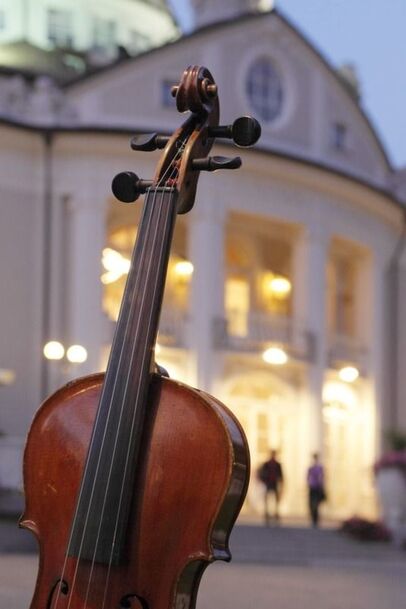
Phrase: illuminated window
(177, 288)
(276, 293)
(2, 20)
(341, 278)
(116, 258)
(275, 285)
(237, 305)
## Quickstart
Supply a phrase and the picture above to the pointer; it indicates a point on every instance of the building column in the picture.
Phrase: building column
(206, 252)
(378, 361)
(397, 333)
(86, 221)
(309, 311)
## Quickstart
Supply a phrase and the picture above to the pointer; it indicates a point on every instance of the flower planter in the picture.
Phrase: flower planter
(391, 485)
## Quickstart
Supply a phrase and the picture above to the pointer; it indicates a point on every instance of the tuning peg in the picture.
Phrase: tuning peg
(212, 163)
(149, 141)
(127, 186)
(245, 131)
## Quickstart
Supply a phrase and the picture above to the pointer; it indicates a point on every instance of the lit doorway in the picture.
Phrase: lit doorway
(267, 409)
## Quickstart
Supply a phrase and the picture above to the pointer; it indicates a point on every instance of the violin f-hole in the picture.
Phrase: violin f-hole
(64, 588)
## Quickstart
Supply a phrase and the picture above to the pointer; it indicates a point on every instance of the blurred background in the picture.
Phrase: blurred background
(302, 332)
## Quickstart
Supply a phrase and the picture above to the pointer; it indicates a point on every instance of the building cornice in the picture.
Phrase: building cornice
(51, 131)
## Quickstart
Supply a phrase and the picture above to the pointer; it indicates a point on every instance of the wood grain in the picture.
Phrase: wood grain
(190, 486)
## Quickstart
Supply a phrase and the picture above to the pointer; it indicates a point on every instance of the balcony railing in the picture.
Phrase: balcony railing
(172, 328)
(344, 348)
(262, 329)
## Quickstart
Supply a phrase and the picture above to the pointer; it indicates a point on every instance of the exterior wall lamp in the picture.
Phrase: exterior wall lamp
(348, 374)
(54, 350)
(275, 356)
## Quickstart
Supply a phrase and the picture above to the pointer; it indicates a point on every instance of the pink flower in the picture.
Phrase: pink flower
(395, 458)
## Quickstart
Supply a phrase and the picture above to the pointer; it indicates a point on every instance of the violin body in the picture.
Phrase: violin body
(189, 487)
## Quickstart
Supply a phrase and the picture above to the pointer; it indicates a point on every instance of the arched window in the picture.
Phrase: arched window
(264, 89)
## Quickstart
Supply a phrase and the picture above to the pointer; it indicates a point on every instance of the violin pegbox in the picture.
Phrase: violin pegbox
(186, 151)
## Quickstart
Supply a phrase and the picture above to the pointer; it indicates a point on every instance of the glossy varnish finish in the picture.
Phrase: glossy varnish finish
(190, 484)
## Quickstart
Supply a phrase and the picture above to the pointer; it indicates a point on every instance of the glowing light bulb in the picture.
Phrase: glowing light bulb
(54, 350)
(184, 268)
(275, 356)
(348, 374)
(76, 354)
(280, 286)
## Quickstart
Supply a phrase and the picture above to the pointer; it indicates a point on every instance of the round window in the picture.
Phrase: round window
(264, 89)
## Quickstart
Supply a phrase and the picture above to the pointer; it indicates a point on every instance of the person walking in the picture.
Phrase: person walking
(315, 483)
(271, 475)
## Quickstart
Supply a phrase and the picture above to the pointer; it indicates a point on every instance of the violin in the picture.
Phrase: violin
(132, 480)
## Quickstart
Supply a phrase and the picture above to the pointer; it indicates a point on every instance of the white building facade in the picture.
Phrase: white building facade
(82, 25)
(292, 255)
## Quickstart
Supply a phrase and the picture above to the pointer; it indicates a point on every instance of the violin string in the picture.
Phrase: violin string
(122, 411)
(159, 212)
(179, 152)
(119, 423)
(92, 440)
(115, 339)
(140, 262)
(168, 211)
(91, 443)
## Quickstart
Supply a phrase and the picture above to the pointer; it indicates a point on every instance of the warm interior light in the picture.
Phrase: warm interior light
(280, 286)
(349, 374)
(158, 348)
(115, 264)
(276, 290)
(54, 350)
(275, 356)
(336, 392)
(7, 377)
(184, 268)
(76, 354)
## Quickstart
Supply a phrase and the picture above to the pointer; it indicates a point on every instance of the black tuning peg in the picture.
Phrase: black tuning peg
(245, 131)
(127, 186)
(212, 163)
(149, 141)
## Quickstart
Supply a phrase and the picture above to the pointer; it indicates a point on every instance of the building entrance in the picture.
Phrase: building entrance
(348, 452)
(267, 410)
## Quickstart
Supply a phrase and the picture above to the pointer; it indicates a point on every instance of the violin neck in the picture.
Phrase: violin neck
(137, 324)
(99, 526)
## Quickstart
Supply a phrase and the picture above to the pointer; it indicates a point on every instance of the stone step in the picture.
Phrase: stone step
(278, 545)
(306, 546)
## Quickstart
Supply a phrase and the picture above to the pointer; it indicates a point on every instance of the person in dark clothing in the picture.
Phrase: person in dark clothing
(271, 475)
(315, 483)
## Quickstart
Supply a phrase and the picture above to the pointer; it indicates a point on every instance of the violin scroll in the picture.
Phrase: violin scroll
(197, 91)
(186, 151)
